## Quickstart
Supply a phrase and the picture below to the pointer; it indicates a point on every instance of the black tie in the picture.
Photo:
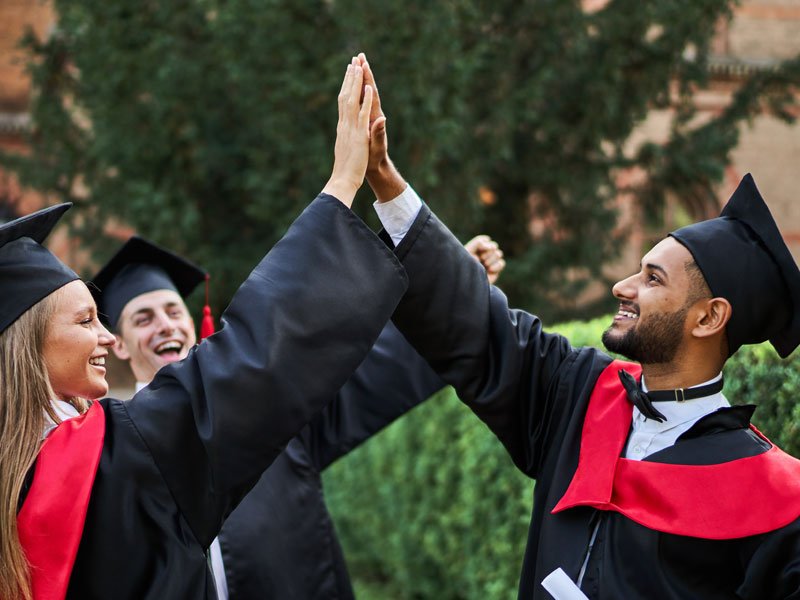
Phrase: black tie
(644, 401)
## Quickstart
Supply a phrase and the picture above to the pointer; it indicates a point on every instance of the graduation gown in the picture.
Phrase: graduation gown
(179, 456)
(280, 542)
(532, 389)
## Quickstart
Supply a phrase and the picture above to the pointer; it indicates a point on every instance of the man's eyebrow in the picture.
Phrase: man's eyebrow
(655, 267)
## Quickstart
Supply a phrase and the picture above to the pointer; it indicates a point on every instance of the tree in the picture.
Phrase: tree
(208, 125)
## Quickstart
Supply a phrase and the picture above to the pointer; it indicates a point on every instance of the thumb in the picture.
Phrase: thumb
(378, 127)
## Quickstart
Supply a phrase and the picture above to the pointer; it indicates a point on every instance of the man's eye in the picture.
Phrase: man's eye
(653, 278)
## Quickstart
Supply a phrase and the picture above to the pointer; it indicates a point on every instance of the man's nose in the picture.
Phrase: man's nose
(624, 289)
(163, 322)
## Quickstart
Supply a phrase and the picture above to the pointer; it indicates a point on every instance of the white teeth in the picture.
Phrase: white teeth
(168, 347)
(100, 361)
(628, 314)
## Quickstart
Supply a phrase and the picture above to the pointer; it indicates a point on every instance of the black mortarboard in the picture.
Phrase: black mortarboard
(745, 260)
(137, 268)
(28, 270)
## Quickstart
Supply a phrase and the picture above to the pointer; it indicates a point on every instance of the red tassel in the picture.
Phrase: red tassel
(207, 324)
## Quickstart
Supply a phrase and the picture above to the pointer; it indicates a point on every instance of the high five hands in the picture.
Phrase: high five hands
(361, 145)
(362, 149)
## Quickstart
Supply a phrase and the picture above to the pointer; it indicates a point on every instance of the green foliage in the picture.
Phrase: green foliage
(208, 125)
(434, 508)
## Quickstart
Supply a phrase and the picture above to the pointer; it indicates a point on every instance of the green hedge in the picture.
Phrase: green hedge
(433, 507)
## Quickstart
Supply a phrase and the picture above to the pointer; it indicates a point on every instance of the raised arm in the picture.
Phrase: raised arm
(392, 380)
(500, 361)
(294, 332)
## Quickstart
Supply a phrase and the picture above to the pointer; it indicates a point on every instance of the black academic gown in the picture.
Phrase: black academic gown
(183, 452)
(532, 389)
(280, 542)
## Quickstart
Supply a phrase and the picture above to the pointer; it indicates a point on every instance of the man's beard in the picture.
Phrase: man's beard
(654, 340)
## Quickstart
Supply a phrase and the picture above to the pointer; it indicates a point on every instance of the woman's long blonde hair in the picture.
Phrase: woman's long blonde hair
(25, 404)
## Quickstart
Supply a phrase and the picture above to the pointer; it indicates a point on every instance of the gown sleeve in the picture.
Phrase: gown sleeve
(500, 361)
(295, 330)
(392, 380)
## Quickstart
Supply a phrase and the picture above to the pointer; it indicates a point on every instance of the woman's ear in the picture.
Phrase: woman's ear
(713, 315)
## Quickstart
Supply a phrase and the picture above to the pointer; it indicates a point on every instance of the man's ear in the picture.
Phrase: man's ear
(120, 349)
(712, 317)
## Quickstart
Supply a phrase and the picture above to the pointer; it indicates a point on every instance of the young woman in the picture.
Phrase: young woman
(102, 499)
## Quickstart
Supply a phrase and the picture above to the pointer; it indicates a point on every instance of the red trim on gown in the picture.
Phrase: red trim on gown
(51, 520)
(736, 499)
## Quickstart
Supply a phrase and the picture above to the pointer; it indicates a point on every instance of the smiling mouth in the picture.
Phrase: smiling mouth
(626, 312)
(169, 349)
(98, 361)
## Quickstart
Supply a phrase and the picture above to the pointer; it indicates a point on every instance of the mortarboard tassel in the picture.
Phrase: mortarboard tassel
(207, 324)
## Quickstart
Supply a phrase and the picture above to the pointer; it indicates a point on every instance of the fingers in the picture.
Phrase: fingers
(356, 83)
(378, 127)
(488, 254)
(475, 243)
(366, 108)
(349, 100)
(494, 265)
(369, 80)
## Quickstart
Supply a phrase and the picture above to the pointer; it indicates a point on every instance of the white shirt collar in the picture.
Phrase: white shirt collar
(679, 413)
(64, 411)
(140, 385)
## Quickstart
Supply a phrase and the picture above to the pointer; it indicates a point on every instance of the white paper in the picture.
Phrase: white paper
(561, 587)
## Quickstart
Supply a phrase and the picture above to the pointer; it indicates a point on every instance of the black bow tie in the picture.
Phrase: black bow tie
(644, 400)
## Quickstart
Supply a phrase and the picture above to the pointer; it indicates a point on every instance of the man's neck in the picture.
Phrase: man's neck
(669, 376)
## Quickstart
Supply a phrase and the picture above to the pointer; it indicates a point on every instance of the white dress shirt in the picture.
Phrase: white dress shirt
(399, 213)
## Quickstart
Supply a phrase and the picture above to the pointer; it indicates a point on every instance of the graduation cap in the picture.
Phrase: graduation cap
(745, 260)
(140, 267)
(28, 270)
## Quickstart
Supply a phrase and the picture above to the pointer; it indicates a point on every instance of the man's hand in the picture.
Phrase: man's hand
(351, 152)
(382, 176)
(378, 144)
(486, 251)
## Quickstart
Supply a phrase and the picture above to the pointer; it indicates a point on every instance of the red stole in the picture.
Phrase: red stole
(51, 520)
(735, 499)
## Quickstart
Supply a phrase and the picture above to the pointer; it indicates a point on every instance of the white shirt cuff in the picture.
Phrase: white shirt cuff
(398, 214)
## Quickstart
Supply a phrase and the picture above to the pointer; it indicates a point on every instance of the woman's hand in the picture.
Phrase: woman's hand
(351, 152)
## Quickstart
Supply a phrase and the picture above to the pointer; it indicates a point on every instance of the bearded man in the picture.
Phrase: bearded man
(648, 483)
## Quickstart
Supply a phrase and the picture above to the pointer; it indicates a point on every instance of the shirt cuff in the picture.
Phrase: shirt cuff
(398, 214)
